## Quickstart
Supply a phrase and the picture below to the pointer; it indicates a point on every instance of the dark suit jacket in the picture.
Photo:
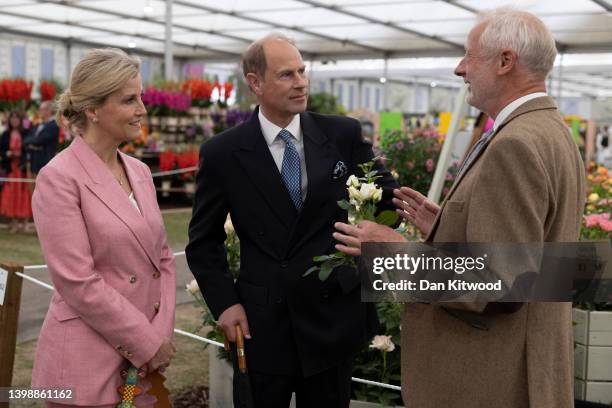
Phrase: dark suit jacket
(47, 140)
(296, 322)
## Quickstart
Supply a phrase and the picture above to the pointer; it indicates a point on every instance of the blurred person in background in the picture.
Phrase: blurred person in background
(41, 143)
(15, 202)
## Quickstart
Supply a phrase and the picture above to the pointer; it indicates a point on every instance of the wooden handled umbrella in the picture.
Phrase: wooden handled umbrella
(243, 396)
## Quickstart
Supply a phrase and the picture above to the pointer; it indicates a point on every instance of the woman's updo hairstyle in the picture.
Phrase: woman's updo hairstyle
(100, 73)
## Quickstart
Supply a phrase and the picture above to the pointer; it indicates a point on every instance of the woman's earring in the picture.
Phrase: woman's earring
(94, 120)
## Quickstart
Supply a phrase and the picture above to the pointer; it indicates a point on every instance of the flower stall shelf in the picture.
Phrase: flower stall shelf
(592, 355)
(593, 321)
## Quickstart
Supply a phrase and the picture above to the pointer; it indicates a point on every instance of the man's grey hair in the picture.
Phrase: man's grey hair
(521, 32)
(254, 58)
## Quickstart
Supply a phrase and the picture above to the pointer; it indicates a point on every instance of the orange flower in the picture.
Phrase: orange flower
(602, 171)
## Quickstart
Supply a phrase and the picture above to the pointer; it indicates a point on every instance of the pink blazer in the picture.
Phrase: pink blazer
(113, 272)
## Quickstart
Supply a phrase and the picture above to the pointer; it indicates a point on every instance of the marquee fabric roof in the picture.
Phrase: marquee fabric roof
(324, 30)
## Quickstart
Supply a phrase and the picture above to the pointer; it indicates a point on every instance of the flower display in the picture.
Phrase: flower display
(412, 157)
(48, 89)
(167, 160)
(200, 91)
(596, 223)
(14, 92)
(165, 103)
(185, 160)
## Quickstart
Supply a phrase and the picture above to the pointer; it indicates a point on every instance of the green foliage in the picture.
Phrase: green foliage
(324, 102)
(381, 366)
(412, 158)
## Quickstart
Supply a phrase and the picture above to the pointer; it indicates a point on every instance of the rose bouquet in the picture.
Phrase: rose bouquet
(364, 194)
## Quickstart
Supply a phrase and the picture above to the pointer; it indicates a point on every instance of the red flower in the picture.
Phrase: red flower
(185, 160)
(228, 87)
(15, 90)
(47, 91)
(167, 160)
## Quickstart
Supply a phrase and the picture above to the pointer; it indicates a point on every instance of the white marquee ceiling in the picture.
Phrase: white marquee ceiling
(323, 29)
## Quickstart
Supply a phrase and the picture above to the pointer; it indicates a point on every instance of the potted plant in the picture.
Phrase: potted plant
(167, 162)
(593, 321)
(381, 362)
(220, 371)
(185, 160)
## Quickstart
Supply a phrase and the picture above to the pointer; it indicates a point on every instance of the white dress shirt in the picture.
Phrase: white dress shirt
(277, 145)
(512, 106)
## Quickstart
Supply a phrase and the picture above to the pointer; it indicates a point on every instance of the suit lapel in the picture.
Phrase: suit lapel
(104, 186)
(256, 159)
(320, 158)
(543, 102)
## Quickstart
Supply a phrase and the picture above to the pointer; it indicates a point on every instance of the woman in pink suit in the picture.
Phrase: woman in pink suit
(103, 238)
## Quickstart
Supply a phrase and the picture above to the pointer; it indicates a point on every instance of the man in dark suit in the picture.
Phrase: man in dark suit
(42, 141)
(279, 175)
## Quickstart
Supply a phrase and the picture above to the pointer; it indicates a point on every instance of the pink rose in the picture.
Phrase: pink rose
(429, 165)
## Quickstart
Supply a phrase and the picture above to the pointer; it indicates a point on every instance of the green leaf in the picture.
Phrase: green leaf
(322, 258)
(326, 270)
(311, 270)
(387, 217)
(345, 205)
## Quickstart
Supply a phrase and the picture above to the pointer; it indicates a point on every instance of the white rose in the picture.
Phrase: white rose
(377, 196)
(353, 181)
(383, 343)
(192, 287)
(354, 194)
(229, 227)
(367, 191)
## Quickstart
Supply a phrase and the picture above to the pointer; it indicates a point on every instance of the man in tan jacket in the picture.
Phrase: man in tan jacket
(522, 182)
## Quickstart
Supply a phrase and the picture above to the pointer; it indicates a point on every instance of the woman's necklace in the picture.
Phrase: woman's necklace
(119, 179)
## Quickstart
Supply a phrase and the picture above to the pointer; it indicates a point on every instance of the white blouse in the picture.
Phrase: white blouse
(134, 203)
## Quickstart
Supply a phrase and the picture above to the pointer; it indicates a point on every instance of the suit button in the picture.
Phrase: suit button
(133, 279)
(260, 233)
(325, 295)
(156, 275)
(284, 264)
(156, 307)
(279, 300)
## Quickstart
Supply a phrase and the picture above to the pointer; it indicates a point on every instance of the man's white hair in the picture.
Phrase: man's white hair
(521, 32)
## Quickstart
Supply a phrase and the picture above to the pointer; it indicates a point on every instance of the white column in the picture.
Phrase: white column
(445, 155)
(560, 79)
(385, 98)
(68, 61)
(168, 52)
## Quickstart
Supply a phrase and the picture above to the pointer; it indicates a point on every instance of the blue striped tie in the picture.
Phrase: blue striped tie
(291, 171)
